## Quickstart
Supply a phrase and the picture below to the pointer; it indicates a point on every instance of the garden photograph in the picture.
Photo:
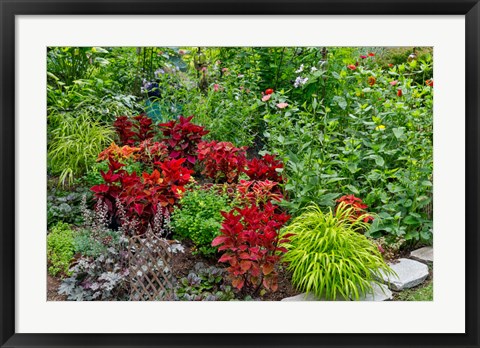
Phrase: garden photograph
(239, 174)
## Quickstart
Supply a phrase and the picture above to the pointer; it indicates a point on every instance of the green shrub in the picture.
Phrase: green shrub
(329, 257)
(199, 218)
(60, 249)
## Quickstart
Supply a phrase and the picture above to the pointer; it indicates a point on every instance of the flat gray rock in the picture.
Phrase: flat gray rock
(410, 273)
(301, 297)
(381, 292)
(309, 297)
(424, 255)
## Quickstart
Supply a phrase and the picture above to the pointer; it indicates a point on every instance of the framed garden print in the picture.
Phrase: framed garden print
(344, 89)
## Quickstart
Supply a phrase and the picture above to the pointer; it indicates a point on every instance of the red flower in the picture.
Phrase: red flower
(269, 91)
(351, 67)
(399, 93)
(371, 54)
(429, 83)
(390, 65)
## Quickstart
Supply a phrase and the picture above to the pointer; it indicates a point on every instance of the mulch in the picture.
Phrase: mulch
(52, 289)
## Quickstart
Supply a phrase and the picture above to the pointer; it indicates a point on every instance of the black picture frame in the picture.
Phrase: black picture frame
(11, 8)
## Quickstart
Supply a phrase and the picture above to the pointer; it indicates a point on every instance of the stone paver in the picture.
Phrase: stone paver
(424, 255)
(381, 292)
(310, 297)
(301, 297)
(410, 273)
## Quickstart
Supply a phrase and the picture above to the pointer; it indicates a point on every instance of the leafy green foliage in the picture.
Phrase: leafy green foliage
(75, 144)
(64, 206)
(204, 284)
(362, 138)
(60, 249)
(329, 257)
(198, 217)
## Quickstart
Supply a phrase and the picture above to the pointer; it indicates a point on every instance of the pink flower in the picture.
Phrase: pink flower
(281, 105)
(363, 57)
(224, 69)
(204, 68)
(216, 87)
(394, 83)
(266, 97)
(181, 52)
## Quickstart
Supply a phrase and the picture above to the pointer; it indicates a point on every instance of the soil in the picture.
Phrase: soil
(52, 289)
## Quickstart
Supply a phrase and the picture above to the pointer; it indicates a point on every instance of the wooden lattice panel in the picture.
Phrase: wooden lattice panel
(150, 269)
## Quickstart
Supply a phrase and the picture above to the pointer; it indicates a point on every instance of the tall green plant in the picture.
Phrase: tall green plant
(75, 144)
(329, 257)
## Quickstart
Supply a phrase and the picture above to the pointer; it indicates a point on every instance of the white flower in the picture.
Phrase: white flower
(313, 69)
(300, 81)
(299, 70)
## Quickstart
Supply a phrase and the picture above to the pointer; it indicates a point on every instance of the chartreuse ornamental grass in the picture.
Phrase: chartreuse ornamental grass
(75, 144)
(329, 256)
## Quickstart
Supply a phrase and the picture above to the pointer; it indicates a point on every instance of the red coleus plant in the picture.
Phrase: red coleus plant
(123, 125)
(222, 161)
(264, 168)
(150, 152)
(143, 127)
(259, 192)
(110, 190)
(117, 152)
(142, 196)
(132, 132)
(359, 208)
(250, 241)
(182, 138)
